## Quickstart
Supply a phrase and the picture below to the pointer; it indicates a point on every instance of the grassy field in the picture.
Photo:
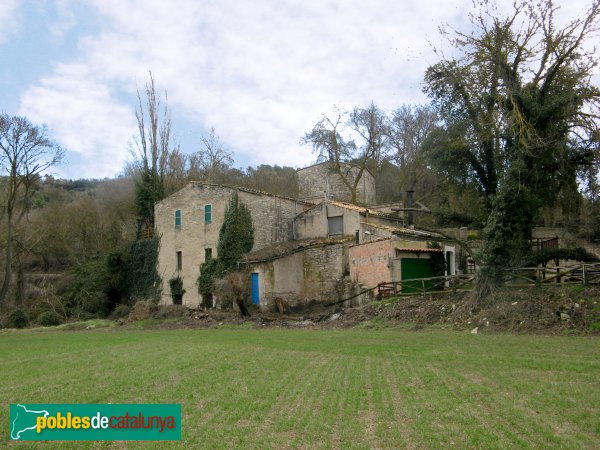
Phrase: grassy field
(320, 389)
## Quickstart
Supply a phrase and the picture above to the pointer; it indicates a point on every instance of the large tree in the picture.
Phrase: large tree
(519, 90)
(26, 152)
(408, 128)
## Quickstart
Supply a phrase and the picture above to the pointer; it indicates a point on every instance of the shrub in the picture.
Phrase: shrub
(17, 319)
(171, 311)
(120, 311)
(209, 272)
(49, 319)
(177, 290)
(233, 288)
(142, 310)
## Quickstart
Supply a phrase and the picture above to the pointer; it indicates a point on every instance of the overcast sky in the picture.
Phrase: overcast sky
(260, 72)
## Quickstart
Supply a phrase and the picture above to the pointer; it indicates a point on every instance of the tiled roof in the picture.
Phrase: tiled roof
(363, 210)
(404, 231)
(290, 247)
(250, 191)
(421, 250)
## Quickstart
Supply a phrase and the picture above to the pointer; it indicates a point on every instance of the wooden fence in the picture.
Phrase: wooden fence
(463, 282)
(527, 276)
(578, 274)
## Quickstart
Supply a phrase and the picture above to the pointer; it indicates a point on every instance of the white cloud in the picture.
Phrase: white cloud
(8, 18)
(84, 117)
(66, 19)
(260, 72)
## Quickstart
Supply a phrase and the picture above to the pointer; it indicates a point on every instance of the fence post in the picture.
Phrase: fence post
(584, 276)
(423, 286)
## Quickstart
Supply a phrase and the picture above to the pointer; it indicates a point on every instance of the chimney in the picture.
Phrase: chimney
(410, 206)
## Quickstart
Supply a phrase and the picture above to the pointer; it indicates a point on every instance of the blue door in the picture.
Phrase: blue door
(255, 295)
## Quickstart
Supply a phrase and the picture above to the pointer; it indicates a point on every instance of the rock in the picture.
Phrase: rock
(564, 316)
(475, 330)
(335, 316)
(514, 303)
(487, 323)
(577, 305)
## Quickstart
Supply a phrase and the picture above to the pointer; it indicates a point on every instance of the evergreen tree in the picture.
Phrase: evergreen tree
(236, 238)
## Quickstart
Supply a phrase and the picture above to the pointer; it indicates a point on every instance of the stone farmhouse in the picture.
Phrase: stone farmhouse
(318, 181)
(318, 247)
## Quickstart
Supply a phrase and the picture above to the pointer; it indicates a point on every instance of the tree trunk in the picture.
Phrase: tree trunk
(7, 261)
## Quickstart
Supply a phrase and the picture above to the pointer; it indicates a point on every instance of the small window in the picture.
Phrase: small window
(207, 254)
(335, 225)
(207, 213)
(179, 261)
(178, 219)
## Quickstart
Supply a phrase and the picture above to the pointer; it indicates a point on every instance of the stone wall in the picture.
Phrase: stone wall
(319, 180)
(312, 274)
(272, 218)
(313, 223)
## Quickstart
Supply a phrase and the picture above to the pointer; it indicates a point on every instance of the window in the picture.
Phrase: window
(207, 213)
(179, 261)
(335, 225)
(178, 219)
(207, 254)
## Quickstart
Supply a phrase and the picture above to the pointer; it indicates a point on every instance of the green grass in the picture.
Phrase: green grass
(320, 389)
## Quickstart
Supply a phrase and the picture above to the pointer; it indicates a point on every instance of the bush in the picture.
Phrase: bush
(143, 310)
(86, 305)
(177, 290)
(17, 319)
(171, 311)
(49, 319)
(233, 288)
(120, 311)
(209, 273)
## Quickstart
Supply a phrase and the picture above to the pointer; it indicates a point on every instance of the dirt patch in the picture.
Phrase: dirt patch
(559, 310)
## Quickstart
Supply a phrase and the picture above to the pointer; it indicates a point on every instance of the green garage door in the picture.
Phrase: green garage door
(415, 268)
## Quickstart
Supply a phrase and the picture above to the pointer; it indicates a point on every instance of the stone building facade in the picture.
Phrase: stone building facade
(306, 271)
(188, 223)
(319, 181)
(302, 250)
(334, 218)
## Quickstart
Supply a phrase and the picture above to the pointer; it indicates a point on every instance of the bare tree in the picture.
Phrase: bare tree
(357, 137)
(26, 152)
(407, 130)
(154, 148)
(154, 137)
(212, 160)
